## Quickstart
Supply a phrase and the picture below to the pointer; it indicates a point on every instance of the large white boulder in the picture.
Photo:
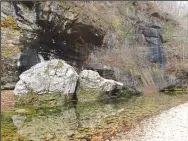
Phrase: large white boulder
(89, 79)
(48, 77)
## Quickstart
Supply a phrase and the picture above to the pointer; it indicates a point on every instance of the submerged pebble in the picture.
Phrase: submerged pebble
(170, 125)
(18, 120)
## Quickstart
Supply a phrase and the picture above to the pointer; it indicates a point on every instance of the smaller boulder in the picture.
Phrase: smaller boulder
(92, 84)
(18, 120)
(89, 79)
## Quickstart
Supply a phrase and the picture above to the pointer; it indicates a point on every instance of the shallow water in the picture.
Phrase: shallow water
(84, 121)
(170, 125)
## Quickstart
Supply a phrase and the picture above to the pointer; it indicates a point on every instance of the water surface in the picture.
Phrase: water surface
(84, 121)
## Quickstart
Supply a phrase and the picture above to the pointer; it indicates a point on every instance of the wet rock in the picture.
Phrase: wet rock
(48, 77)
(18, 120)
(153, 35)
(64, 124)
(70, 133)
(27, 59)
(150, 32)
(120, 110)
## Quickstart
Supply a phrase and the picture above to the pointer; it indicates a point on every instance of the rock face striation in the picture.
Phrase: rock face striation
(153, 35)
(53, 76)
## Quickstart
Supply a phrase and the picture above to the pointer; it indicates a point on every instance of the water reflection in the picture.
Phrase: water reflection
(80, 120)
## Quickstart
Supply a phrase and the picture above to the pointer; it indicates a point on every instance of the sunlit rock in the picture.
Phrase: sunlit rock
(53, 76)
(92, 80)
(93, 86)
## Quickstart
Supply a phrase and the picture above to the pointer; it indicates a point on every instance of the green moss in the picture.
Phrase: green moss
(9, 22)
(46, 70)
(25, 111)
(25, 99)
(59, 65)
(48, 99)
(8, 130)
(10, 50)
(116, 22)
(91, 116)
(89, 94)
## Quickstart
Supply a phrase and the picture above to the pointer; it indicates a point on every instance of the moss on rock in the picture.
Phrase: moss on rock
(48, 99)
(8, 130)
(90, 94)
(86, 95)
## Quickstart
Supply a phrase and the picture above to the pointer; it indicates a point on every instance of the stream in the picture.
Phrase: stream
(170, 125)
(131, 118)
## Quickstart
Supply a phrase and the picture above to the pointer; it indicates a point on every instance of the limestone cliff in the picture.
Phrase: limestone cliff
(121, 40)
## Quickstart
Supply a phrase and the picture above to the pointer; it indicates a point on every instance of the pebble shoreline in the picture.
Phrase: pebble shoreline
(170, 125)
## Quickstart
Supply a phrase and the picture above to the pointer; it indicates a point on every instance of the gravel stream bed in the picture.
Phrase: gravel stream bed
(170, 125)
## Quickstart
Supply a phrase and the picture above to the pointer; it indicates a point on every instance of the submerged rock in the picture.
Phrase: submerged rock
(53, 76)
(18, 120)
(64, 123)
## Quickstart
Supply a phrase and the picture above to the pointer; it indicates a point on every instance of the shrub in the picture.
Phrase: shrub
(9, 22)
